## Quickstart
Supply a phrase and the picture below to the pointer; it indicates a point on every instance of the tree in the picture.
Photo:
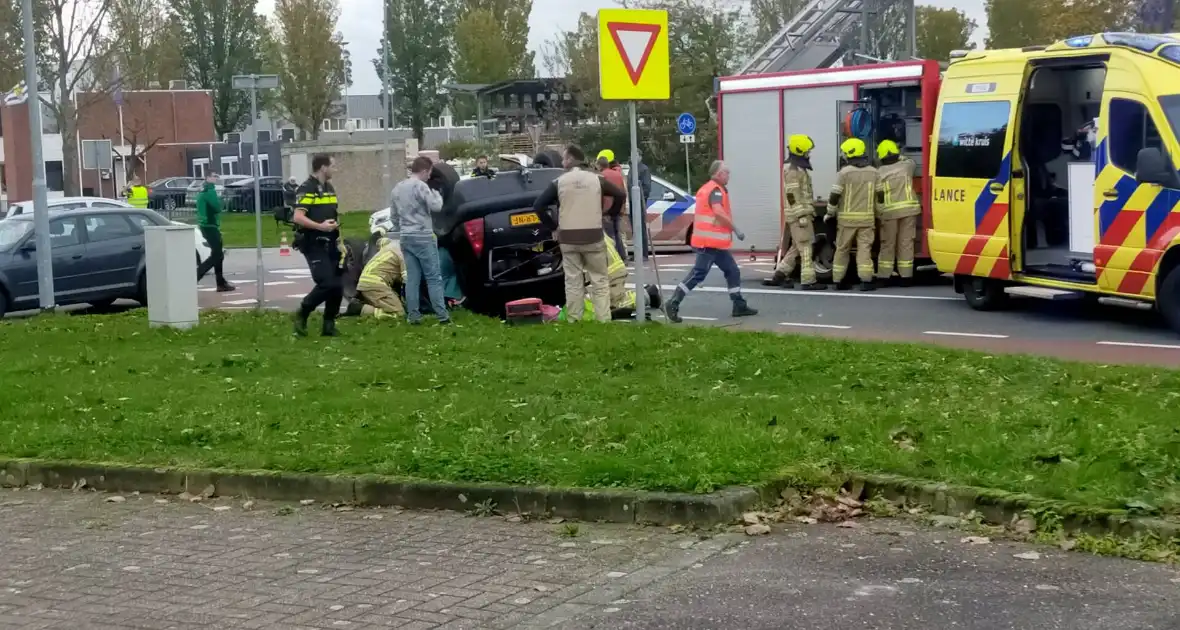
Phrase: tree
(510, 23)
(218, 39)
(141, 45)
(1066, 18)
(419, 37)
(942, 30)
(72, 69)
(481, 52)
(312, 65)
(574, 55)
(1015, 23)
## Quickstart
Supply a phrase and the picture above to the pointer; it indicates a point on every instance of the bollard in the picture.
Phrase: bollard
(171, 275)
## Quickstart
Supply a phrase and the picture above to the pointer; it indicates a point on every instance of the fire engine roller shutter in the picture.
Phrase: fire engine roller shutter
(751, 136)
(814, 111)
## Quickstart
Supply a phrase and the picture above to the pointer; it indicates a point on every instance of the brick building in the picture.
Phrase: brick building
(167, 119)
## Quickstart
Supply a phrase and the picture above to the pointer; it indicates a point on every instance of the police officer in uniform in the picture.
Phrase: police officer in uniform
(317, 237)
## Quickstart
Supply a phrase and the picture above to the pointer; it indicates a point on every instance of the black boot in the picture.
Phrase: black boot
(906, 282)
(654, 299)
(813, 286)
(225, 287)
(843, 286)
(329, 329)
(672, 306)
(301, 324)
(741, 309)
(777, 280)
(868, 286)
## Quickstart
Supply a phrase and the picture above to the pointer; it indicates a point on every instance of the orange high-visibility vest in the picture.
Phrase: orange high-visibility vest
(707, 231)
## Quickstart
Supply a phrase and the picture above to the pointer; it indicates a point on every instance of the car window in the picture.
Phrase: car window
(1131, 129)
(658, 190)
(13, 232)
(140, 220)
(107, 227)
(63, 233)
(971, 139)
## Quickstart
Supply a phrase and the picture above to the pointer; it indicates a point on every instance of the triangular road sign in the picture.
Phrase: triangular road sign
(635, 42)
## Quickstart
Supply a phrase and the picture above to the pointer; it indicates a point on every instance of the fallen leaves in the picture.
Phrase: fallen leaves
(1028, 555)
(975, 540)
(759, 529)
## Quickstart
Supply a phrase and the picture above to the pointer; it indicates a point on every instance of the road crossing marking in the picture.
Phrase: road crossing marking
(804, 325)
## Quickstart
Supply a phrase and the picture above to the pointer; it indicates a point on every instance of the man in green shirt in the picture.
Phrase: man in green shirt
(209, 222)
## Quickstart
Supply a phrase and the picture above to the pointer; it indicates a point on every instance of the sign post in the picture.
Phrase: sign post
(97, 156)
(255, 82)
(633, 66)
(687, 124)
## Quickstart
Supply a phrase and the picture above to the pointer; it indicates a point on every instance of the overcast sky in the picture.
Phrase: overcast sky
(361, 24)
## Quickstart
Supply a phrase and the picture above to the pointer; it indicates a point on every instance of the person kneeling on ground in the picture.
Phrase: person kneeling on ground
(377, 287)
(622, 299)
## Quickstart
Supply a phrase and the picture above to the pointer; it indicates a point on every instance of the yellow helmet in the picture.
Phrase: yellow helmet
(606, 154)
(800, 144)
(853, 148)
(886, 149)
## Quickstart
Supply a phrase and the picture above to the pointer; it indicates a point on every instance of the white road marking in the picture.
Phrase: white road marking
(278, 283)
(699, 319)
(292, 270)
(963, 334)
(1128, 344)
(299, 296)
(240, 302)
(843, 294)
(803, 325)
(209, 290)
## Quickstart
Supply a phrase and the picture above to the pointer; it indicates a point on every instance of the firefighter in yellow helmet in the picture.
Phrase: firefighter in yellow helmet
(852, 205)
(799, 212)
(379, 279)
(898, 209)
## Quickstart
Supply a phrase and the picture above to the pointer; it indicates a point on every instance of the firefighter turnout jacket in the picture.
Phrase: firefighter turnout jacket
(798, 198)
(385, 268)
(895, 191)
(854, 195)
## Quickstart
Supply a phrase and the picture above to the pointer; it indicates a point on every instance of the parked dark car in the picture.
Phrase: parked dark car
(98, 257)
(501, 250)
(168, 194)
(238, 196)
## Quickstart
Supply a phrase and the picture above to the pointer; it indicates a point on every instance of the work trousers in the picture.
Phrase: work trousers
(723, 259)
(897, 238)
(382, 298)
(613, 226)
(592, 261)
(845, 237)
(421, 255)
(797, 238)
(212, 236)
(323, 260)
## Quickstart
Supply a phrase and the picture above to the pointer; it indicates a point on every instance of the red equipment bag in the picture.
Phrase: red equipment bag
(526, 311)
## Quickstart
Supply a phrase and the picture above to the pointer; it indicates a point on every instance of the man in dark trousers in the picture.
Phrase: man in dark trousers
(317, 237)
(209, 223)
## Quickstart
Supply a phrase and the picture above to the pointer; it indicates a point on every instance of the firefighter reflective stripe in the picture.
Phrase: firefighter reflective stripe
(138, 196)
(383, 269)
(615, 262)
(707, 230)
(314, 199)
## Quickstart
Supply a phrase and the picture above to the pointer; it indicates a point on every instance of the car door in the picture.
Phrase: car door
(669, 214)
(69, 262)
(114, 250)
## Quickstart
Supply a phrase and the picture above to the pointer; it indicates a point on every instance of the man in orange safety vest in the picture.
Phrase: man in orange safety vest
(712, 235)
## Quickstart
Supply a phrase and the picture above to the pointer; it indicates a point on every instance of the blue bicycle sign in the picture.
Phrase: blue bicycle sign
(687, 124)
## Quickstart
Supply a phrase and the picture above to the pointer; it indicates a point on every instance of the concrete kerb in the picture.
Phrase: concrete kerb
(998, 507)
(611, 506)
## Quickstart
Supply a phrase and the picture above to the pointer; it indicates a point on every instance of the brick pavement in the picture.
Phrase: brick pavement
(74, 560)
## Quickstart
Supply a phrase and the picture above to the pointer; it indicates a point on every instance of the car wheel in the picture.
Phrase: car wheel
(141, 295)
(169, 204)
(1167, 298)
(548, 159)
(443, 179)
(983, 294)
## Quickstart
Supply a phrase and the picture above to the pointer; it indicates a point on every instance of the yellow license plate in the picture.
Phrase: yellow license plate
(530, 218)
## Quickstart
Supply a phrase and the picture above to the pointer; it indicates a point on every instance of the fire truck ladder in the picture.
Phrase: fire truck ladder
(813, 38)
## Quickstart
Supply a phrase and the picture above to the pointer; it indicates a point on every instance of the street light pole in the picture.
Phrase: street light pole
(45, 291)
(385, 185)
(255, 82)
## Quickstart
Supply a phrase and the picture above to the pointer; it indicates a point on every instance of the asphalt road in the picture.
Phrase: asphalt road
(930, 314)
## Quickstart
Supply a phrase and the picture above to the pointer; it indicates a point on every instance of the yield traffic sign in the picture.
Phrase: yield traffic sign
(633, 55)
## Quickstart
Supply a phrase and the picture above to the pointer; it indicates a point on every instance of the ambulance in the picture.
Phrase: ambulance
(1053, 172)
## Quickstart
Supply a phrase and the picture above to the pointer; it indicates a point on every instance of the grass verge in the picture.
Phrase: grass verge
(238, 229)
(653, 407)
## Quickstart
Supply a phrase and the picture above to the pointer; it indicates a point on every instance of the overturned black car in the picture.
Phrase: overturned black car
(500, 249)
